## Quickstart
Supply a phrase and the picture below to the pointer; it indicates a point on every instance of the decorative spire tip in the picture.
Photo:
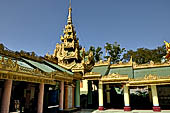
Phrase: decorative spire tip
(69, 3)
(69, 21)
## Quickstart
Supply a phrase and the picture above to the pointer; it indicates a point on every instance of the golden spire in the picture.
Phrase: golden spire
(69, 20)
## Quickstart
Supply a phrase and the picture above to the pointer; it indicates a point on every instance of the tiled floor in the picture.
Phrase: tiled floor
(119, 111)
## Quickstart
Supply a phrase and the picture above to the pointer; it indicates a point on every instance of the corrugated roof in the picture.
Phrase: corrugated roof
(59, 68)
(21, 63)
(41, 66)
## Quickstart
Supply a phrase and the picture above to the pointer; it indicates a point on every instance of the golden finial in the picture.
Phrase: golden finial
(70, 4)
(69, 21)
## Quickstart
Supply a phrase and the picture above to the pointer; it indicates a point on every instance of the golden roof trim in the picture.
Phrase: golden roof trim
(7, 65)
(149, 79)
(30, 55)
(5, 74)
(122, 64)
(91, 73)
(115, 77)
(150, 65)
(102, 63)
(67, 66)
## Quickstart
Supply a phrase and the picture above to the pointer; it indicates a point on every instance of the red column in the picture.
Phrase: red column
(6, 96)
(40, 98)
(61, 95)
(66, 97)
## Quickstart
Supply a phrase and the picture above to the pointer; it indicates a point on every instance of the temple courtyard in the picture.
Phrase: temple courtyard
(75, 80)
(119, 111)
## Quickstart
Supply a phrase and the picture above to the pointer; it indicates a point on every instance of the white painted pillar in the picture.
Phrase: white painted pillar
(100, 96)
(126, 99)
(155, 99)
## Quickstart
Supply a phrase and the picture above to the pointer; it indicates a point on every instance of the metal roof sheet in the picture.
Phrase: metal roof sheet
(59, 68)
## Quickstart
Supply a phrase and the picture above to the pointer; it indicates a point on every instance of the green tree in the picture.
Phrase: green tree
(113, 51)
(97, 53)
(144, 55)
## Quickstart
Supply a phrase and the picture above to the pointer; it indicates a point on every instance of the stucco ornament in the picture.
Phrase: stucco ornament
(168, 50)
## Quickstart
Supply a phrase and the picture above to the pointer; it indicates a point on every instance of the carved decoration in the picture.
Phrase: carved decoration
(151, 77)
(27, 78)
(167, 49)
(100, 63)
(30, 55)
(151, 62)
(150, 65)
(92, 73)
(50, 58)
(123, 64)
(68, 53)
(114, 75)
(28, 74)
(115, 78)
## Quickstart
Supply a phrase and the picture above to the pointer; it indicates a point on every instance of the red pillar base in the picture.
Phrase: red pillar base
(101, 108)
(127, 108)
(156, 109)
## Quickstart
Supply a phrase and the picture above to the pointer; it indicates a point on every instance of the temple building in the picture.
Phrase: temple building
(67, 79)
(30, 83)
(128, 85)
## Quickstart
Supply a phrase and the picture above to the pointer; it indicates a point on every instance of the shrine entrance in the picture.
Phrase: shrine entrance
(164, 96)
(113, 96)
(24, 97)
(141, 97)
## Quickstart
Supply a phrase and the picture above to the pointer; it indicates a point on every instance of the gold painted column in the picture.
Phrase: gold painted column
(100, 96)
(40, 98)
(126, 99)
(155, 99)
(61, 107)
(108, 93)
(6, 96)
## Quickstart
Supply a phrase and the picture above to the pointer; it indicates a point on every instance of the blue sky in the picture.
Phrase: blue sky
(36, 25)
